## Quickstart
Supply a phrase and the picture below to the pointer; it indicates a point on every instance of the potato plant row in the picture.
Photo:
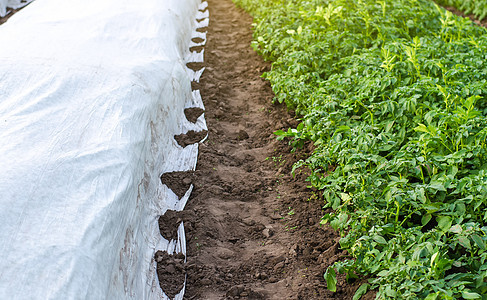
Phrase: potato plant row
(478, 8)
(392, 94)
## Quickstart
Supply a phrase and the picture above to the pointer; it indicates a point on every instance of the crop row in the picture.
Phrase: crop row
(476, 7)
(392, 94)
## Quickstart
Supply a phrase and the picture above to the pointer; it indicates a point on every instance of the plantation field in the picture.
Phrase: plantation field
(392, 94)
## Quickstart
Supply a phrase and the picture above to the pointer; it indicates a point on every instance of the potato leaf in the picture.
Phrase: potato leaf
(331, 279)
(361, 291)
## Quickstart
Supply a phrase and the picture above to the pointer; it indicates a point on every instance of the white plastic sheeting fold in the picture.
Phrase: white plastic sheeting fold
(91, 96)
(13, 4)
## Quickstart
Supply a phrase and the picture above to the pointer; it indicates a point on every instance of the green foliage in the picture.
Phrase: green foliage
(392, 93)
(476, 7)
(331, 279)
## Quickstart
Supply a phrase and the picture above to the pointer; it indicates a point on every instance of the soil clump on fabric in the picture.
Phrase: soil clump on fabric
(190, 137)
(178, 182)
(170, 270)
(193, 113)
(171, 218)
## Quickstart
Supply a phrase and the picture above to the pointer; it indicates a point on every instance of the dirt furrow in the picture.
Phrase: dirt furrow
(252, 230)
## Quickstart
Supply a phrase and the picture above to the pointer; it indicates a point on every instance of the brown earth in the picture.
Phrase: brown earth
(253, 231)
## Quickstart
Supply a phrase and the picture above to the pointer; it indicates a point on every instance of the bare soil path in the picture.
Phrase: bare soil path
(251, 230)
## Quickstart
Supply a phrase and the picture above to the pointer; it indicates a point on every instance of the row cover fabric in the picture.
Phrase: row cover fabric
(184, 159)
(91, 96)
(13, 4)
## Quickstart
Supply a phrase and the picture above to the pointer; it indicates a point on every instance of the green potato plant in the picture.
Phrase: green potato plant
(392, 94)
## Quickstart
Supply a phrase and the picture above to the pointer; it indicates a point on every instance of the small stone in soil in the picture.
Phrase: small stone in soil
(273, 280)
(235, 291)
(267, 232)
(278, 266)
(242, 135)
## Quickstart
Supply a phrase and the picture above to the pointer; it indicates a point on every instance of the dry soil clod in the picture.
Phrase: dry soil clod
(191, 137)
(178, 182)
(193, 113)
